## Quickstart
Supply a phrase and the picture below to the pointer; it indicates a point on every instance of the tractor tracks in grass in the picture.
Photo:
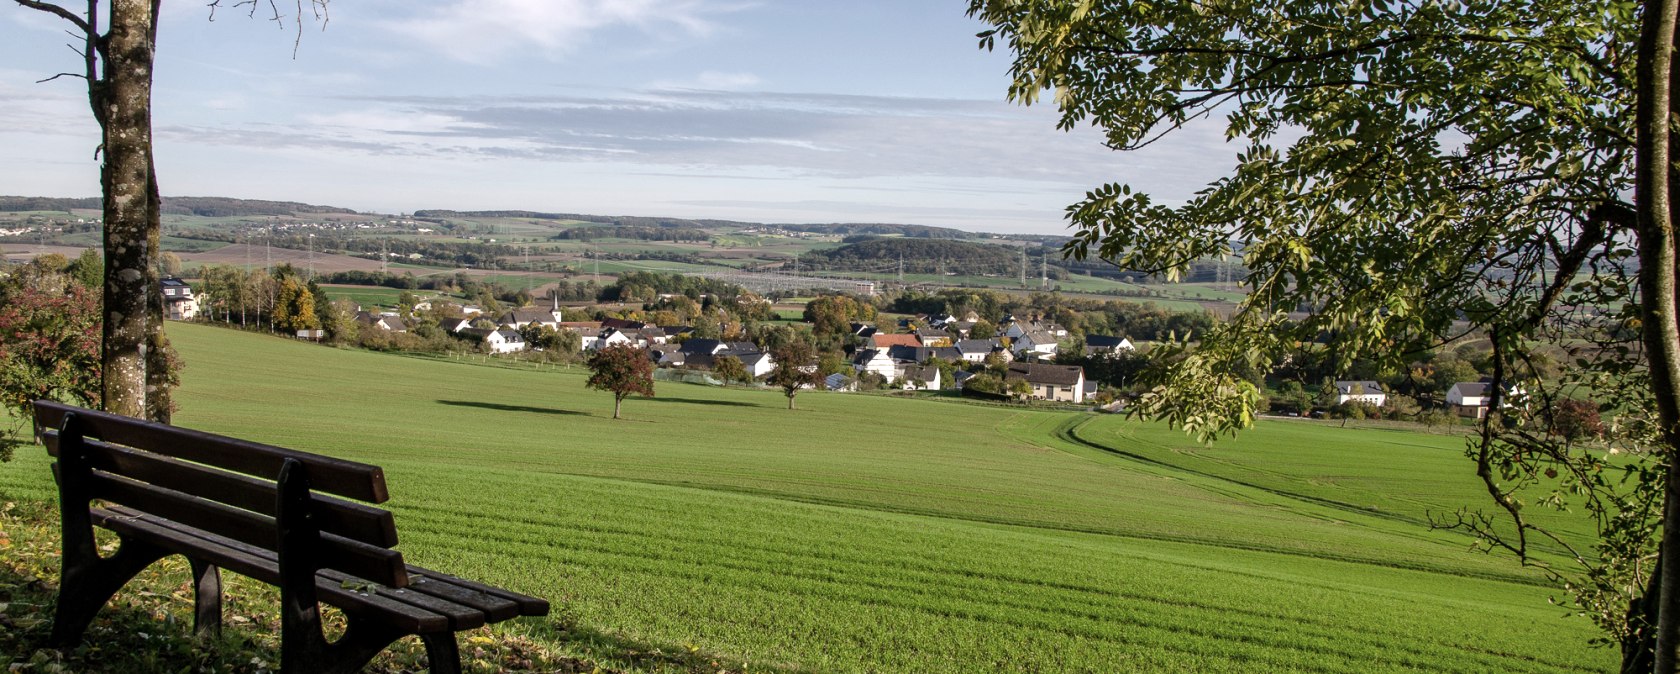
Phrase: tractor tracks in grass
(1068, 431)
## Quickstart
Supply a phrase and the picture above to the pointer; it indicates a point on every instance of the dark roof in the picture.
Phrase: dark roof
(1369, 387)
(923, 373)
(622, 324)
(476, 333)
(1103, 341)
(977, 345)
(706, 346)
(511, 335)
(528, 315)
(1470, 388)
(174, 283)
(864, 356)
(1045, 373)
(735, 348)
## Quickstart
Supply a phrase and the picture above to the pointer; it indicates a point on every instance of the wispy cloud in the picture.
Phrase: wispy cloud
(710, 80)
(485, 31)
(811, 135)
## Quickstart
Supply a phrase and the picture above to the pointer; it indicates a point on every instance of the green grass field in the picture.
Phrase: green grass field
(866, 533)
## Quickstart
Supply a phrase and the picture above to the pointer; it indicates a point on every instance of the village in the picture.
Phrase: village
(904, 356)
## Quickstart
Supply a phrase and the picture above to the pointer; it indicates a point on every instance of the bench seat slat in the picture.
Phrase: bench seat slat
(349, 479)
(336, 552)
(355, 521)
(528, 605)
(243, 560)
(461, 615)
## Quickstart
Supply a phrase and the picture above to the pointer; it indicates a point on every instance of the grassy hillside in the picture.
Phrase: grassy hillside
(865, 533)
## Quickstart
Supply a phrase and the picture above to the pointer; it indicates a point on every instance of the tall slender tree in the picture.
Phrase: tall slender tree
(118, 52)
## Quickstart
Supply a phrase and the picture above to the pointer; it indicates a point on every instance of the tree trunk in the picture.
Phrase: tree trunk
(1659, 311)
(790, 402)
(124, 110)
(159, 405)
(618, 402)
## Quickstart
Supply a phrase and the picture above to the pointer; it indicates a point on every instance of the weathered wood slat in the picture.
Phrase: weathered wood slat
(246, 561)
(349, 479)
(528, 605)
(461, 615)
(374, 563)
(494, 608)
(351, 520)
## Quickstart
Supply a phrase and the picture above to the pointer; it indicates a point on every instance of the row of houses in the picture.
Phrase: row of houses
(1465, 398)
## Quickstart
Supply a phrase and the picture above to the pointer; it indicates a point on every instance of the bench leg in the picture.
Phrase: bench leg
(88, 581)
(207, 599)
(304, 650)
(442, 655)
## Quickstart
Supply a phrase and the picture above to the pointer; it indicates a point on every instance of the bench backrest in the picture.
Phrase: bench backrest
(227, 487)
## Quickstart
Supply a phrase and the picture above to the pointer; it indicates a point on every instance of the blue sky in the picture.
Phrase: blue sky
(784, 111)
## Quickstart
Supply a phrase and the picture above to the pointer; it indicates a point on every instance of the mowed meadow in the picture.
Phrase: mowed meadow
(866, 533)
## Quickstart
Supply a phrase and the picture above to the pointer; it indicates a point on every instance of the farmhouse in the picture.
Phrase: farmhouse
(380, 321)
(920, 377)
(1106, 345)
(1472, 398)
(500, 340)
(875, 361)
(1051, 382)
(1368, 392)
(1036, 343)
(178, 301)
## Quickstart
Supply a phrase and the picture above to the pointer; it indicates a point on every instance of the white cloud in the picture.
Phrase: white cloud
(711, 80)
(484, 31)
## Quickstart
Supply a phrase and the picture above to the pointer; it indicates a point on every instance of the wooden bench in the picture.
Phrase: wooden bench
(260, 511)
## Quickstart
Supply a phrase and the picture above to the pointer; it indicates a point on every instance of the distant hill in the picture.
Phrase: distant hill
(920, 256)
(214, 207)
(836, 229)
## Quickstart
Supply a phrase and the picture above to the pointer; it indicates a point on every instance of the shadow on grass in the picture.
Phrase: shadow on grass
(697, 401)
(595, 644)
(511, 408)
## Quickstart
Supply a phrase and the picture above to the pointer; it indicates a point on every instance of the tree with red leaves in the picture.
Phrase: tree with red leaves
(49, 344)
(621, 370)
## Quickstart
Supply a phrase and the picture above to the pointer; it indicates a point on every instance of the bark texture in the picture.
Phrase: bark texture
(1660, 311)
(124, 111)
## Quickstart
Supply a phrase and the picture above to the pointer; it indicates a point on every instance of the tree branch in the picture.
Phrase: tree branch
(60, 12)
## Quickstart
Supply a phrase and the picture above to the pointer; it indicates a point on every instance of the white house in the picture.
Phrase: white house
(1360, 391)
(1040, 342)
(178, 301)
(611, 337)
(1051, 382)
(502, 340)
(1472, 398)
(920, 377)
(976, 350)
(757, 363)
(876, 361)
(1106, 345)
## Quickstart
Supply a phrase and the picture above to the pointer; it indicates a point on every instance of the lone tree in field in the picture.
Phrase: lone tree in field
(621, 370)
(794, 368)
(729, 368)
(136, 359)
(1404, 167)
